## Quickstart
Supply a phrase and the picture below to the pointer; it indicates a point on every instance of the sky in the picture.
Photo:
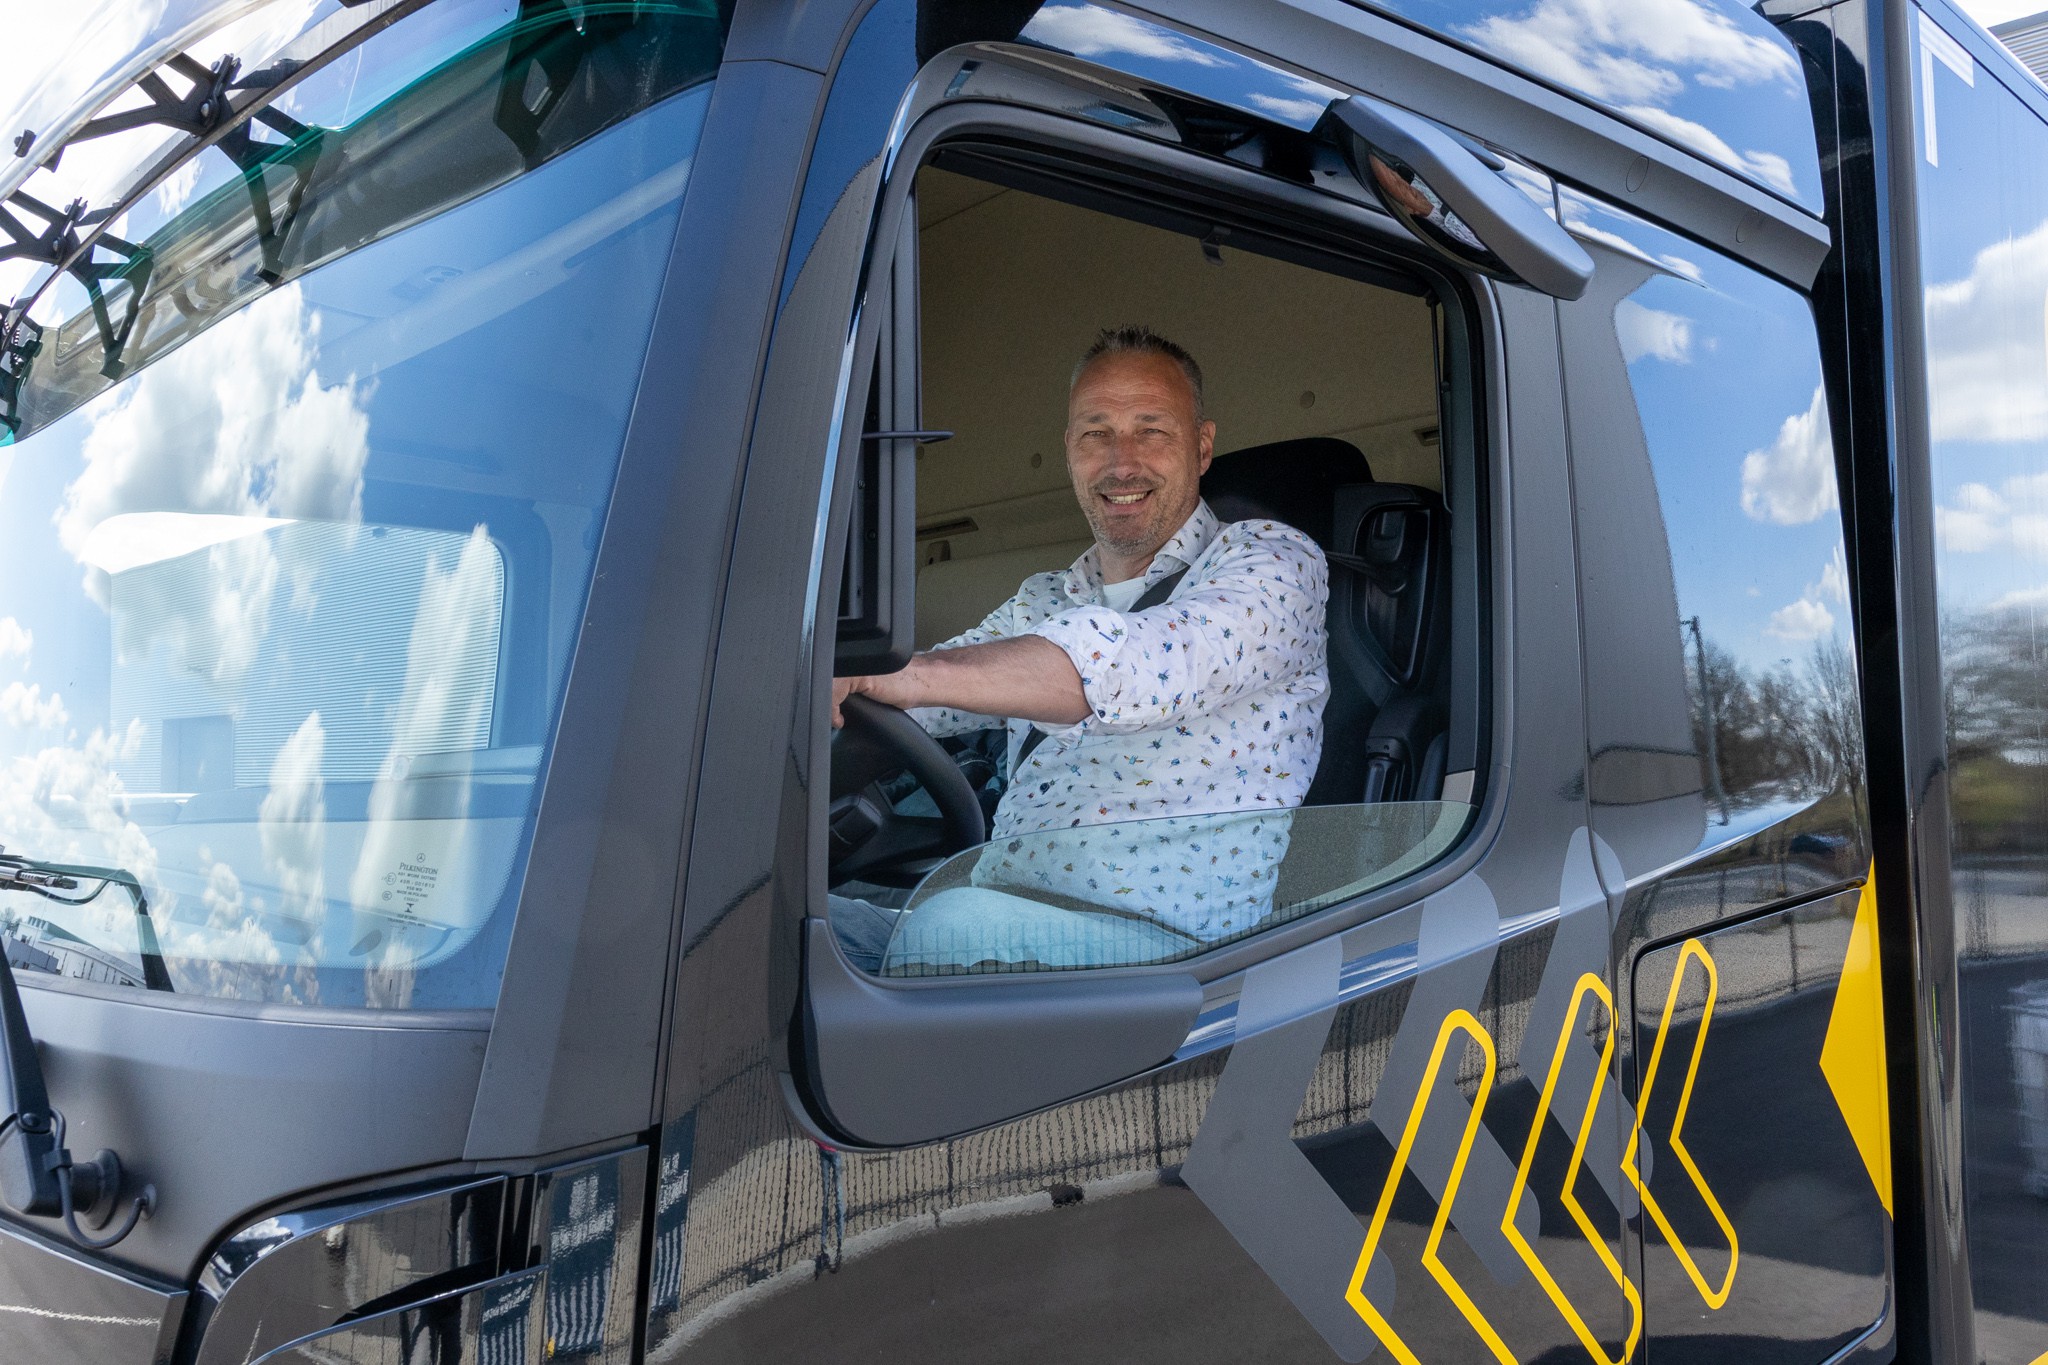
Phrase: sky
(1989, 12)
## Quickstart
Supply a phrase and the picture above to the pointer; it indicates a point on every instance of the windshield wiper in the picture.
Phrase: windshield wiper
(59, 881)
(38, 1176)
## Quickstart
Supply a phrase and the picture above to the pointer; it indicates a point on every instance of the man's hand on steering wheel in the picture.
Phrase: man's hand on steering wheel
(1028, 678)
(883, 687)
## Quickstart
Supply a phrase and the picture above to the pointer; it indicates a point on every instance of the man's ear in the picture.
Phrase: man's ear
(1208, 443)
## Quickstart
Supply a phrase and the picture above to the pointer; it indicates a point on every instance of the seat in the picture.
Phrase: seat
(1387, 546)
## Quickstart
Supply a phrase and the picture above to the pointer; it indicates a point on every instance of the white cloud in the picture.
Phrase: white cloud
(1834, 579)
(1578, 219)
(16, 640)
(1794, 481)
(1681, 266)
(177, 188)
(1087, 31)
(1979, 518)
(1768, 167)
(2024, 597)
(293, 822)
(237, 422)
(1653, 333)
(1805, 619)
(1986, 352)
(26, 708)
(1634, 50)
(1975, 522)
(221, 894)
(1809, 618)
(444, 704)
(68, 804)
(1291, 111)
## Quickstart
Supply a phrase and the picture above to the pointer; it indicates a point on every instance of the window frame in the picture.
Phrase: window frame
(1312, 228)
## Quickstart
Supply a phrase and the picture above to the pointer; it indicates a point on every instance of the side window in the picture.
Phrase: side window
(1275, 727)
(1720, 670)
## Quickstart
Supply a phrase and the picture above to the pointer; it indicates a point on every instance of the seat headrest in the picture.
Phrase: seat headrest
(1294, 482)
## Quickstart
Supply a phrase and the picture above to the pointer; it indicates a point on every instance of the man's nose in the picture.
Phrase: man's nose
(1124, 454)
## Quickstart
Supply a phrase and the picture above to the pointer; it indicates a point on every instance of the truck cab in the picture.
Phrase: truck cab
(448, 449)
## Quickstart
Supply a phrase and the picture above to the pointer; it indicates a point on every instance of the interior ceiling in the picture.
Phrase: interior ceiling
(1014, 287)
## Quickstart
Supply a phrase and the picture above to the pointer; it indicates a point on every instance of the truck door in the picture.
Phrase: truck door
(1379, 1113)
(1725, 776)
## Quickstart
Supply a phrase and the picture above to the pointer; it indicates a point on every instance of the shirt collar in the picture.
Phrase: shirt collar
(1182, 549)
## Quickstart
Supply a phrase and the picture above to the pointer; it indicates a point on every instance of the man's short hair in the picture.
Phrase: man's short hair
(1136, 339)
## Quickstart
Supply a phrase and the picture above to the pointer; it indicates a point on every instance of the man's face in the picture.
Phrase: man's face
(1136, 453)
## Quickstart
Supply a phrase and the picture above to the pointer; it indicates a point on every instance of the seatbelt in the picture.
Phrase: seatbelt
(1154, 596)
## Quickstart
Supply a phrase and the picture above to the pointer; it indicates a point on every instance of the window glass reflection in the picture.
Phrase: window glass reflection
(1711, 76)
(1983, 237)
(285, 615)
(1717, 622)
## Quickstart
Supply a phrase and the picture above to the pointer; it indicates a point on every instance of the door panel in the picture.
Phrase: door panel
(1763, 1117)
(1725, 769)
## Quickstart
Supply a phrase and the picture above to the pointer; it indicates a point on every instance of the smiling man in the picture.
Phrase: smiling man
(1178, 668)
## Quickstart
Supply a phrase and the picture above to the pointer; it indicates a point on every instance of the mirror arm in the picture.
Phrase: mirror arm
(38, 1176)
(28, 1136)
(1532, 243)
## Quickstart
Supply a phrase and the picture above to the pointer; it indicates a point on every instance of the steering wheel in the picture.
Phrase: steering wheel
(869, 838)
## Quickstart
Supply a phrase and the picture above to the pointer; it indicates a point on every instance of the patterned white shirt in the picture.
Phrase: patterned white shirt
(1210, 703)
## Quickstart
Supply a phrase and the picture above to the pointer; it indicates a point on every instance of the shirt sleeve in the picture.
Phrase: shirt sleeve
(1255, 620)
(1001, 624)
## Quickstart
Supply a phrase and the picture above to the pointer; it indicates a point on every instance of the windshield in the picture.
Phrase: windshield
(289, 585)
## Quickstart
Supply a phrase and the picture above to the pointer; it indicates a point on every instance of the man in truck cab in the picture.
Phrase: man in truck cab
(1177, 669)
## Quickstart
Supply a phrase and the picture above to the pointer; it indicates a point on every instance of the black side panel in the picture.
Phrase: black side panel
(340, 1281)
(300, 1273)
(55, 1307)
(1965, 143)
(500, 1323)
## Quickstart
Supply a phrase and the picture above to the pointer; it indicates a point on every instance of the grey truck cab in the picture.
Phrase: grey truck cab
(449, 447)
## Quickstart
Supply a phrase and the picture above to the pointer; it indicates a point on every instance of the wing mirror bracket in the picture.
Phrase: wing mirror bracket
(1451, 195)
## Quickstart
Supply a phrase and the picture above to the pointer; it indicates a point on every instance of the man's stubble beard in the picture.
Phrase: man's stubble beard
(1156, 533)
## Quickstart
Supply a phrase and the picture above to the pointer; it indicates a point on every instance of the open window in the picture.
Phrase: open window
(1327, 375)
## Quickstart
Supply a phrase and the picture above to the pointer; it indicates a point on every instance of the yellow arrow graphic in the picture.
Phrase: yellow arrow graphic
(1589, 984)
(1693, 951)
(1456, 1022)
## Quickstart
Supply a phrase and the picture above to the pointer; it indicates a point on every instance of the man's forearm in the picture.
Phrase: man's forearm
(1028, 678)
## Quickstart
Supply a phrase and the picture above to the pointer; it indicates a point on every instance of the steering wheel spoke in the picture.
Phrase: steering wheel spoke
(869, 838)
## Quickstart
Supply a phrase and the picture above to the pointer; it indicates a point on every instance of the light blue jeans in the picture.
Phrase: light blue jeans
(978, 926)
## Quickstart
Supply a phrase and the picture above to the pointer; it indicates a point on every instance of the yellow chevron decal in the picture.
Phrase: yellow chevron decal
(1693, 950)
(1456, 1022)
(1589, 984)
(1852, 1056)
